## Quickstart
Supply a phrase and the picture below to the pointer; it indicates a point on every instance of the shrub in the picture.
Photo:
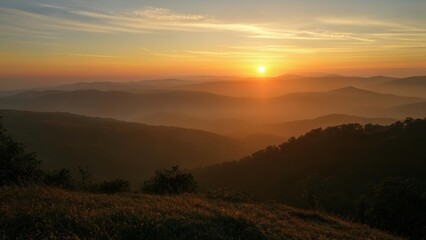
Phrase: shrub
(16, 165)
(60, 178)
(114, 186)
(172, 181)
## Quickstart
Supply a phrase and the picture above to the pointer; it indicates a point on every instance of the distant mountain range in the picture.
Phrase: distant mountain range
(113, 148)
(281, 85)
(204, 105)
(236, 107)
(232, 116)
(255, 87)
(412, 86)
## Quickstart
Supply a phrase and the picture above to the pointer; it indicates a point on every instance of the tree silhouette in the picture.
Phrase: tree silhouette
(172, 181)
(85, 175)
(16, 165)
(60, 178)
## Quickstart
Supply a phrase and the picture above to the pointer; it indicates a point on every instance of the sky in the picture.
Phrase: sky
(59, 41)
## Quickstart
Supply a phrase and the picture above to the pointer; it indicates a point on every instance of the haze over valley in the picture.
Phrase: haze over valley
(259, 106)
(257, 120)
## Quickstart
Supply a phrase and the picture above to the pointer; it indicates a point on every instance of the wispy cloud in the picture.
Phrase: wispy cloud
(149, 20)
(51, 6)
(91, 55)
(162, 14)
(370, 22)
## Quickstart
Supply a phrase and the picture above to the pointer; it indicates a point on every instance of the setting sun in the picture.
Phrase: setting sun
(318, 107)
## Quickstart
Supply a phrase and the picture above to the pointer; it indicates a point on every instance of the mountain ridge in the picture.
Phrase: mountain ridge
(115, 148)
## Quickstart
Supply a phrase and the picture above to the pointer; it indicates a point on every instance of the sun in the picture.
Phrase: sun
(261, 69)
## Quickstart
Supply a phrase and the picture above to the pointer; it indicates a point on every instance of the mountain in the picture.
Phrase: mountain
(281, 85)
(233, 116)
(116, 149)
(119, 104)
(413, 110)
(347, 100)
(296, 128)
(82, 215)
(350, 97)
(134, 86)
(336, 164)
(155, 101)
(252, 87)
(411, 86)
(123, 86)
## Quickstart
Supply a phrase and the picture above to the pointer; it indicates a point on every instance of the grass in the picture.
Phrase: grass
(47, 213)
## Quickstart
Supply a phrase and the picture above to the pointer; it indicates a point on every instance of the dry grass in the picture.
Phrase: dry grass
(37, 213)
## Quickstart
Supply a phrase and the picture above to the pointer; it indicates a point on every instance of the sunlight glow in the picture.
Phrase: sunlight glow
(261, 69)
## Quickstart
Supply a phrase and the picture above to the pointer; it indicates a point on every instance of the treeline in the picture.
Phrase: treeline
(374, 174)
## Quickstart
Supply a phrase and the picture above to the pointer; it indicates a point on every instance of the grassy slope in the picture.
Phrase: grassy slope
(35, 213)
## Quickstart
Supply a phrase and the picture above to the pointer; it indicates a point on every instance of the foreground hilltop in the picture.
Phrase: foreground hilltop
(41, 213)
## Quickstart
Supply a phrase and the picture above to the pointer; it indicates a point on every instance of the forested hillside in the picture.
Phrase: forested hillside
(116, 149)
(335, 165)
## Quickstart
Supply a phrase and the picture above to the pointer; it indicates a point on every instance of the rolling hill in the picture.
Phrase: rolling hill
(347, 100)
(253, 87)
(411, 86)
(281, 85)
(296, 128)
(123, 105)
(141, 107)
(113, 148)
(36, 213)
(137, 86)
(134, 87)
(414, 110)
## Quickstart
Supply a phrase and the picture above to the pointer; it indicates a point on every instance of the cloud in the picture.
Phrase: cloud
(47, 24)
(149, 20)
(369, 22)
(162, 14)
(91, 55)
(52, 6)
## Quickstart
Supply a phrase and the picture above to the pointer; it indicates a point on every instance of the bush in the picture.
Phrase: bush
(395, 205)
(114, 186)
(171, 181)
(17, 167)
(60, 178)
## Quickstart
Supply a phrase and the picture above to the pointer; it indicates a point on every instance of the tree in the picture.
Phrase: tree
(59, 178)
(396, 205)
(16, 165)
(85, 175)
(172, 181)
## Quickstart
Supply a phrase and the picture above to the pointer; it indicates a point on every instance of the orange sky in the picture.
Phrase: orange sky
(134, 39)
